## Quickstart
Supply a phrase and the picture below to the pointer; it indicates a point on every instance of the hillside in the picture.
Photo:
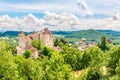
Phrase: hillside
(10, 33)
(73, 36)
(110, 32)
(90, 35)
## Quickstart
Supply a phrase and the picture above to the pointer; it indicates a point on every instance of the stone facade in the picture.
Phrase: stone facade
(82, 45)
(24, 41)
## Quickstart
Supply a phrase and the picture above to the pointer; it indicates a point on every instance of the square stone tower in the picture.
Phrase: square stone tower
(46, 37)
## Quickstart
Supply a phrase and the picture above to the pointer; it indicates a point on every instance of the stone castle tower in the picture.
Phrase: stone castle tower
(24, 41)
(46, 37)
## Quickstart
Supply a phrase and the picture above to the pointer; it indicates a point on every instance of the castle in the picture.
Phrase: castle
(24, 41)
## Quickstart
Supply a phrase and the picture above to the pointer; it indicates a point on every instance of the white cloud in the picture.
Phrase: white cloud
(116, 15)
(68, 6)
(83, 6)
(86, 7)
(63, 21)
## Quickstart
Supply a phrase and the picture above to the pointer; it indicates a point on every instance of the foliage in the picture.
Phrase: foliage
(27, 53)
(37, 44)
(72, 56)
(57, 42)
(113, 59)
(90, 35)
(60, 42)
(91, 64)
(118, 69)
(4, 45)
(8, 69)
(63, 40)
(90, 74)
(103, 43)
(46, 51)
(56, 69)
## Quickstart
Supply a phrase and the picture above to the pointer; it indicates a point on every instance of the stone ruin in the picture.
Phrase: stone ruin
(24, 41)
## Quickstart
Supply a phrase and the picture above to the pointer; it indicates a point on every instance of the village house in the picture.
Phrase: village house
(82, 45)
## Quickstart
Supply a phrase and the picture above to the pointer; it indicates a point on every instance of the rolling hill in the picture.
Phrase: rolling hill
(73, 36)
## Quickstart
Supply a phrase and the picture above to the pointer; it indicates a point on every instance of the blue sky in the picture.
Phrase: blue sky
(29, 15)
(37, 7)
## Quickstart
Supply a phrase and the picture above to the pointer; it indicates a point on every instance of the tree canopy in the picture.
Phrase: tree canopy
(67, 64)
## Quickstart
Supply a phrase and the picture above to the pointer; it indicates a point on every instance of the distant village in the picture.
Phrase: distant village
(82, 45)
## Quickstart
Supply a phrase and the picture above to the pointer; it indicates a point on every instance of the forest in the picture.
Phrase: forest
(101, 62)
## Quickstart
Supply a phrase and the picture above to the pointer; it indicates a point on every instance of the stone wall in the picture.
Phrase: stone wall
(24, 42)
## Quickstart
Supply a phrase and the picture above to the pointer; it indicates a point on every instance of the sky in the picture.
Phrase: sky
(58, 14)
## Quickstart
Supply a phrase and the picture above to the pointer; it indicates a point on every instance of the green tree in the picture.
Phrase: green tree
(103, 43)
(57, 42)
(60, 42)
(13, 49)
(90, 74)
(72, 56)
(118, 69)
(4, 45)
(27, 53)
(37, 44)
(8, 69)
(46, 51)
(91, 57)
(56, 69)
(31, 70)
(112, 58)
(28, 69)
(63, 40)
